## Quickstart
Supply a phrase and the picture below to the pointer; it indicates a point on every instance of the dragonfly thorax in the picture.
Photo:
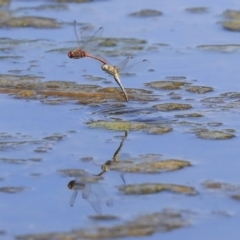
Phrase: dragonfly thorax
(109, 69)
(77, 53)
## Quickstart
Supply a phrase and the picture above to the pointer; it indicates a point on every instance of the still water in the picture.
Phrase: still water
(79, 162)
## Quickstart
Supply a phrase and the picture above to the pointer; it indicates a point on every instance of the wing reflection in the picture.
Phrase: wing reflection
(91, 190)
(115, 159)
(90, 187)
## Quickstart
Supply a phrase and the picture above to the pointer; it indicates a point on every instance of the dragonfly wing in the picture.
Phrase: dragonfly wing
(120, 66)
(136, 67)
(101, 195)
(122, 177)
(109, 202)
(73, 197)
(90, 42)
(86, 191)
(96, 206)
(75, 31)
(94, 199)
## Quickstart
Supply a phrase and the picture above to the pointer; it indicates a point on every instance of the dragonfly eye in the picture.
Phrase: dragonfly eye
(70, 55)
(104, 167)
(104, 67)
(71, 184)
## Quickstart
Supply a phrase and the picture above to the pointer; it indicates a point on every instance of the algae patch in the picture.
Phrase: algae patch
(31, 87)
(146, 13)
(143, 225)
(150, 188)
(197, 10)
(7, 20)
(228, 189)
(12, 190)
(215, 135)
(199, 89)
(146, 164)
(129, 126)
(233, 20)
(166, 107)
(166, 85)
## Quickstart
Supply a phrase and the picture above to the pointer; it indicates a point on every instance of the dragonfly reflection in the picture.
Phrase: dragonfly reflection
(89, 185)
(91, 190)
(115, 159)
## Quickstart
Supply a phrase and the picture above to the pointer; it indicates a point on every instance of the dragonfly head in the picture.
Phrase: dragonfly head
(109, 69)
(71, 184)
(105, 167)
(75, 185)
(104, 67)
(77, 53)
(70, 54)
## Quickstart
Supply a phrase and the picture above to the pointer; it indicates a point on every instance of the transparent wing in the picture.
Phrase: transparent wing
(73, 197)
(89, 43)
(98, 191)
(120, 66)
(96, 206)
(101, 195)
(86, 191)
(135, 67)
(90, 195)
(109, 202)
(75, 31)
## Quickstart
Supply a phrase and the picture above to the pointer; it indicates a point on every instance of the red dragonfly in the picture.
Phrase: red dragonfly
(86, 43)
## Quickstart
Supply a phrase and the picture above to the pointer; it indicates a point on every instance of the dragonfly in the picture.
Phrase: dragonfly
(91, 191)
(115, 159)
(121, 68)
(86, 43)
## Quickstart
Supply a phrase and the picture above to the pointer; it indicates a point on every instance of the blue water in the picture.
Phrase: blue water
(44, 206)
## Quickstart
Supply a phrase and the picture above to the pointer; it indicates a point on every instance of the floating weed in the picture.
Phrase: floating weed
(12, 189)
(121, 46)
(199, 89)
(233, 20)
(20, 161)
(26, 94)
(228, 48)
(143, 225)
(189, 115)
(129, 126)
(167, 85)
(197, 10)
(146, 13)
(216, 185)
(44, 7)
(32, 88)
(72, 172)
(151, 188)
(215, 135)
(146, 164)
(166, 107)
(104, 217)
(27, 21)
(231, 190)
